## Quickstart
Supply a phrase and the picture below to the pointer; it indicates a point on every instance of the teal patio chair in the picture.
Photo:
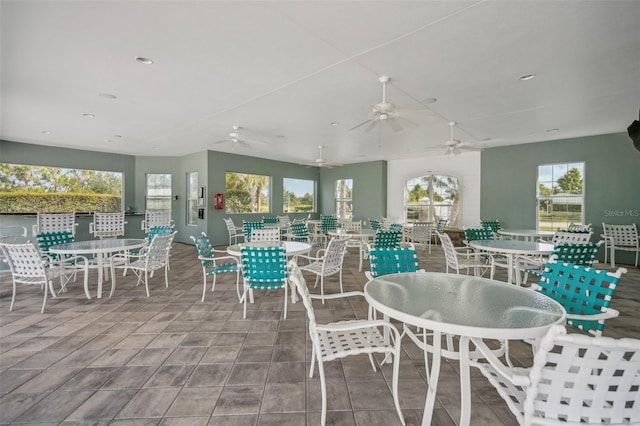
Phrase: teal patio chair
(584, 292)
(578, 254)
(70, 263)
(493, 225)
(263, 268)
(250, 225)
(392, 260)
(375, 224)
(328, 223)
(300, 232)
(387, 239)
(213, 265)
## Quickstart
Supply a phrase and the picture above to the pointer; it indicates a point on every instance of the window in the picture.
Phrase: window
(344, 193)
(298, 195)
(432, 197)
(560, 195)
(192, 198)
(158, 196)
(247, 193)
(32, 189)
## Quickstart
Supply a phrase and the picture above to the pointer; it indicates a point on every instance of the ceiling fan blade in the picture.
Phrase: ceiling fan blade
(243, 144)
(363, 123)
(471, 147)
(221, 141)
(394, 124)
(373, 124)
(422, 115)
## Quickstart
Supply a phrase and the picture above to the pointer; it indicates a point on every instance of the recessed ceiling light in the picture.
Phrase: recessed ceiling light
(552, 130)
(88, 115)
(117, 136)
(429, 100)
(334, 123)
(107, 96)
(45, 132)
(144, 60)
(156, 147)
(527, 77)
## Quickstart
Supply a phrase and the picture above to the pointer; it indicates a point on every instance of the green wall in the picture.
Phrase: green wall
(369, 188)
(612, 173)
(220, 163)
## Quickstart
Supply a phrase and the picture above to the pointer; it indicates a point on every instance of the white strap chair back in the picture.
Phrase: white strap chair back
(565, 237)
(55, 222)
(154, 218)
(575, 379)
(107, 225)
(265, 234)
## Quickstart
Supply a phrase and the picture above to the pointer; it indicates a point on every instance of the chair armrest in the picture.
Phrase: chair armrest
(318, 257)
(610, 313)
(510, 374)
(533, 261)
(357, 324)
(235, 259)
(337, 296)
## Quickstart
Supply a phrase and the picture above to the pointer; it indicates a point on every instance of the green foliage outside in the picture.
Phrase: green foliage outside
(246, 193)
(295, 204)
(32, 189)
(34, 202)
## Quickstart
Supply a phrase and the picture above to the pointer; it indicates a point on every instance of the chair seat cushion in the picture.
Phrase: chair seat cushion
(223, 267)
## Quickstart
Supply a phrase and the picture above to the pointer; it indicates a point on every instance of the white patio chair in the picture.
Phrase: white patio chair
(620, 237)
(341, 339)
(107, 225)
(327, 262)
(55, 222)
(28, 267)
(265, 234)
(575, 379)
(570, 237)
(153, 218)
(421, 234)
(458, 258)
(149, 259)
(234, 231)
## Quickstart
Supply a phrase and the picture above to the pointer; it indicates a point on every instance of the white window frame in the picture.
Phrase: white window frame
(434, 209)
(343, 201)
(164, 199)
(192, 198)
(568, 199)
(286, 207)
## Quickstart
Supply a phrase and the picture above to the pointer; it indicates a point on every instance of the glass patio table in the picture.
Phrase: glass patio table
(511, 248)
(464, 306)
(527, 234)
(99, 248)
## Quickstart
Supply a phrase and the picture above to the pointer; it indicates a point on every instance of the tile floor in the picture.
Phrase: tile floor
(171, 360)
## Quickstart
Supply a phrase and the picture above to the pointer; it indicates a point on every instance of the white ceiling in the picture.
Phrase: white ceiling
(285, 70)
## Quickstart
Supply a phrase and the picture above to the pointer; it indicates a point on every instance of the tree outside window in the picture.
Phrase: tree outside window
(343, 197)
(298, 195)
(246, 193)
(560, 195)
(432, 197)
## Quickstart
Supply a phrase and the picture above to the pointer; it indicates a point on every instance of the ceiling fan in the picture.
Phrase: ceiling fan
(237, 139)
(455, 146)
(389, 113)
(323, 162)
